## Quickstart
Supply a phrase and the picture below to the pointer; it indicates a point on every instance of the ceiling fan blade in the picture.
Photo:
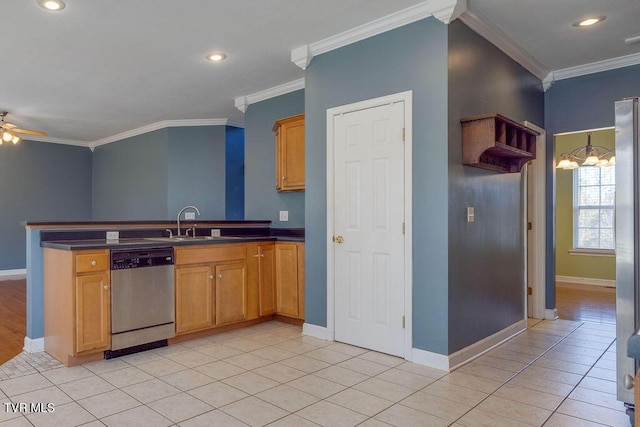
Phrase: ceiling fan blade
(30, 132)
(8, 126)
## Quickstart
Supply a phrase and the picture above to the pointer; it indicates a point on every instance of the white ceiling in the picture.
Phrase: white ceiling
(100, 68)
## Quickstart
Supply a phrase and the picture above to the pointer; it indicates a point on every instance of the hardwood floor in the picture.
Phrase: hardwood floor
(13, 317)
(587, 303)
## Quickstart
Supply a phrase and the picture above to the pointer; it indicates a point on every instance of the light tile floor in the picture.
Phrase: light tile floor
(559, 373)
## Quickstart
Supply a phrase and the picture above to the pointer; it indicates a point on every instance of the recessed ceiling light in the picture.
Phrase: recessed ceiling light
(216, 57)
(589, 21)
(52, 5)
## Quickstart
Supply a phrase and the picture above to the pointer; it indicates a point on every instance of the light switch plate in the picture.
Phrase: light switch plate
(284, 215)
(215, 232)
(189, 215)
(471, 214)
(113, 235)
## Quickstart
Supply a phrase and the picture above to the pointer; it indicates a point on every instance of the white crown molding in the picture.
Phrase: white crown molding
(162, 125)
(447, 10)
(242, 102)
(56, 140)
(597, 67)
(484, 27)
(303, 55)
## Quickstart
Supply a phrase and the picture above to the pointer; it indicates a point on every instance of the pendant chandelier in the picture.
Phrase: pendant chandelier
(589, 155)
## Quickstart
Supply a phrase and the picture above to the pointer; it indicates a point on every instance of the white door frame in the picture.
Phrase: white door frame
(536, 239)
(405, 97)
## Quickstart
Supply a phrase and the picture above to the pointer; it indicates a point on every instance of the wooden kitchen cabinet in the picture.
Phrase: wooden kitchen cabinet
(77, 310)
(231, 292)
(290, 171)
(289, 275)
(211, 286)
(194, 298)
(267, 278)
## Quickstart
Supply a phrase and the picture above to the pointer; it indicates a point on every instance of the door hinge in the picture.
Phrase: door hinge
(403, 228)
(529, 290)
(402, 322)
(403, 134)
(529, 226)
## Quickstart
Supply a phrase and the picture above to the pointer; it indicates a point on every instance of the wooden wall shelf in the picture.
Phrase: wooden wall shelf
(497, 143)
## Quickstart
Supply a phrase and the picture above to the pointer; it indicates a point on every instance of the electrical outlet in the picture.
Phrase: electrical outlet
(215, 232)
(113, 235)
(189, 215)
(284, 215)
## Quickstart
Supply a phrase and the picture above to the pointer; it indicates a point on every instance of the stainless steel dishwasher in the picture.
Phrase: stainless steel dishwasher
(142, 299)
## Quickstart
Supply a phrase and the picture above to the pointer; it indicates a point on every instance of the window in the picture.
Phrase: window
(593, 202)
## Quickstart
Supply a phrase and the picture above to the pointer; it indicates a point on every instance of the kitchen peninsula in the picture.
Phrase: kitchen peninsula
(224, 275)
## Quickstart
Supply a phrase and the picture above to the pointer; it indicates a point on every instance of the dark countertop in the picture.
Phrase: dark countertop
(147, 243)
(147, 236)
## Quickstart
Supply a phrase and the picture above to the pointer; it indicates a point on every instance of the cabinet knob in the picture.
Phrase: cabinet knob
(261, 255)
(284, 177)
(93, 262)
(106, 287)
(629, 382)
(211, 277)
(219, 276)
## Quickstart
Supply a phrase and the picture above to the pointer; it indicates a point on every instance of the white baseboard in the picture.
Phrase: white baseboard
(314, 331)
(430, 359)
(586, 281)
(33, 345)
(551, 314)
(467, 354)
(20, 273)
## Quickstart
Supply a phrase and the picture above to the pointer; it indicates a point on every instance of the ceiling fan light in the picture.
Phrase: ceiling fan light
(601, 163)
(612, 161)
(16, 139)
(7, 136)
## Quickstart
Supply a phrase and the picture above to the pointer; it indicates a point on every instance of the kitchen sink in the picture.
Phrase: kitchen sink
(190, 239)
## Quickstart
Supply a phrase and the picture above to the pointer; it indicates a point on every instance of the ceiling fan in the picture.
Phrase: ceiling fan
(8, 130)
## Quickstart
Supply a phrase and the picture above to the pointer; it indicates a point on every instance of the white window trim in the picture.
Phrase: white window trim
(593, 252)
(579, 250)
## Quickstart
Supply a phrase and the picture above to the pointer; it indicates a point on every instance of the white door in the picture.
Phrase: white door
(368, 220)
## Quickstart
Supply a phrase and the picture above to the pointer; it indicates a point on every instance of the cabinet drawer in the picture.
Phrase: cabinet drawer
(213, 253)
(92, 261)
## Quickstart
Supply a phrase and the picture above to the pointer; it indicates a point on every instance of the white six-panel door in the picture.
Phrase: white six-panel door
(369, 215)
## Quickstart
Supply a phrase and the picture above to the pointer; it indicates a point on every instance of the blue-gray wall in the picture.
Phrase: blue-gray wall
(579, 103)
(234, 173)
(40, 182)
(486, 258)
(153, 175)
(413, 57)
(262, 201)
(130, 178)
(196, 171)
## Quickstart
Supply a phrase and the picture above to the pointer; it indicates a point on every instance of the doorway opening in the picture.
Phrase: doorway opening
(585, 240)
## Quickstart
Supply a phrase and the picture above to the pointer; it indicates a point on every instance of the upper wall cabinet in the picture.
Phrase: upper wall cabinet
(290, 153)
(497, 143)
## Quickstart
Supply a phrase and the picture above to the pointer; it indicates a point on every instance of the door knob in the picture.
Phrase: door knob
(629, 382)
(338, 239)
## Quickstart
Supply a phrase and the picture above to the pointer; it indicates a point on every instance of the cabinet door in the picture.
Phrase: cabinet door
(194, 298)
(287, 295)
(266, 279)
(231, 292)
(92, 312)
(290, 168)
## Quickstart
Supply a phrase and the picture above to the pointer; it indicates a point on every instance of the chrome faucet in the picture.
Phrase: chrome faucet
(180, 214)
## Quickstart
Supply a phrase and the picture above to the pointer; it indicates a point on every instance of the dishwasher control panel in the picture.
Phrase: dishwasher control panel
(121, 260)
